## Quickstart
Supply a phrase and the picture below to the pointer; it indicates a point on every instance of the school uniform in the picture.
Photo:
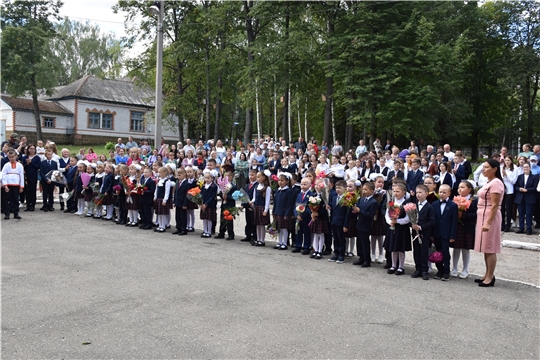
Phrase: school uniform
(525, 200)
(48, 189)
(70, 183)
(62, 163)
(466, 228)
(391, 175)
(294, 191)
(399, 238)
(180, 201)
(368, 208)
(414, 178)
(446, 179)
(283, 210)
(146, 201)
(445, 228)
(339, 219)
(228, 203)
(89, 193)
(31, 171)
(426, 220)
(134, 203)
(274, 166)
(13, 178)
(106, 188)
(192, 183)
(261, 202)
(250, 213)
(328, 235)
(459, 175)
(303, 236)
(378, 227)
(162, 192)
(321, 223)
(209, 193)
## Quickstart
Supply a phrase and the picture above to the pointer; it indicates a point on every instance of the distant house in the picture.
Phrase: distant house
(88, 111)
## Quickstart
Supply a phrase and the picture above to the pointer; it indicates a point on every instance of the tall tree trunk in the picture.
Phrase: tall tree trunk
(219, 106)
(329, 82)
(35, 103)
(181, 121)
(251, 39)
(285, 132)
(207, 60)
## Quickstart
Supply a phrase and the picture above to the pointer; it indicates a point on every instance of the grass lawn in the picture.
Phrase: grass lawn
(74, 150)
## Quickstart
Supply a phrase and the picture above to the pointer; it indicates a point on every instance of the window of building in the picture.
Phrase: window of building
(48, 123)
(94, 120)
(106, 121)
(100, 121)
(137, 121)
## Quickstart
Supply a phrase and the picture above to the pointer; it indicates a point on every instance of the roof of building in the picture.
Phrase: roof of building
(122, 91)
(50, 107)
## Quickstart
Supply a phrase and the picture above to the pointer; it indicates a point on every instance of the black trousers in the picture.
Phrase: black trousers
(12, 198)
(146, 214)
(122, 207)
(180, 217)
(363, 246)
(507, 210)
(30, 190)
(339, 240)
(48, 194)
(226, 226)
(250, 224)
(420, 253)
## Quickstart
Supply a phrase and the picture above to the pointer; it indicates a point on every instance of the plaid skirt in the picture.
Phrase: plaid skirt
(319, 227)
(352, 228)
(259, 218)
(464, 240)
(282, 223)
(378, 228)
(161, 209)
(209, 214)
(88, 195)
(135, 202)
(192, 206)
(108, 200)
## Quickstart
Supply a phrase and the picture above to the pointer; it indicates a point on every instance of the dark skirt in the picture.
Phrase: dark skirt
(464, 240)
(398, 240)
(378, 228)
(209, 214)
(352, 228)
(88, 195)
(169, 203)
(192, 206)
(78, 195)
(319, 227)
(282, 223)
(108, 200)
(161, 209)
(135, 202)
(259, 218)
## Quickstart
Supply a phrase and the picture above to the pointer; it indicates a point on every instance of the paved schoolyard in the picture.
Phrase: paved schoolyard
(82, 288)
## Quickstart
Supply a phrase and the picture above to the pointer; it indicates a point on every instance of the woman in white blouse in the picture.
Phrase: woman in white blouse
(509, 176)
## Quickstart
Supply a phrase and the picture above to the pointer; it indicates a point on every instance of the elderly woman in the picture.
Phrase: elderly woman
(489, 219)
(134, 156)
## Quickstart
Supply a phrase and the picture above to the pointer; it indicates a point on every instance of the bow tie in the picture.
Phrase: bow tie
(443, 201)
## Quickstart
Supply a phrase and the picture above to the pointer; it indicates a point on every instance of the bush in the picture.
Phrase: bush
(109, 146)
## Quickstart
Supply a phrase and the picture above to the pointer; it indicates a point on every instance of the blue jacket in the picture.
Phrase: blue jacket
(307, 214)
(209, 196)
(283, 203)
(147, 196)
(340, 214)
(414, 180)
(31, 170)
(528, 197)
(180, 194)
(45, 168)
(367, 213)
(445, 223)
(106, 186)
(426, 220)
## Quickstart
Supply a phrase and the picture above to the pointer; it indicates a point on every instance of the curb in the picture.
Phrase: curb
(521, 245)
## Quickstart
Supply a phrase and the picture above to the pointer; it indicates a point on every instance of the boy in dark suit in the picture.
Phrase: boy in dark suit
(47, 165)
(180, 202)
(414, 177)
(366, 208)
(303, 237)
(147, 199)
(227, 202)
(422, 232)
(250, 220)
(446, 220)
(295, 190)
(339, 221)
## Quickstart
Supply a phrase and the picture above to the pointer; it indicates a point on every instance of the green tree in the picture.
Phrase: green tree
(26, 28)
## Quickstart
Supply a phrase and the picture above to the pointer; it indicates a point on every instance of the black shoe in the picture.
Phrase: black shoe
(438, 275)
(73, 211)
(416, 274)
(478, 281)
(520, 231)
(176, 232)
(46, 209)
(67, 211)
(425, 276)
(366, 265)
(387, 266)
(506, 229)
(121, 223)
(296, 250)
(190, 230)
(6, 217)
(32, 208)
(17, 217)
(306, 252)
(334, 258)
(483, 284)
(219, 236)
(147, 227)
(27, 208)
(529, 232)
(61, 206)
(51, 208)
(400, 271)
(326, 252)
(313, 254)
(445, 277)
(245, 239)
(230, 238)
(42, 208)
(182, 233)
(358, 262)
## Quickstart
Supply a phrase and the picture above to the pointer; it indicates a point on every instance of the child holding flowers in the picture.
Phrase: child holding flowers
(133, 206)
(106, 191)
(78, 189)
(398, 236)
(147, 198)
(89, 191)
(422, 229)
(261, 202)
(466, 228)
(161, 197)
(378, 228)
(100, 174)
(319, 220)
(180, 202)
(340, 223)
(350, 234)
(191, 206)
(283, 209)
(227, 203)
(208, 207)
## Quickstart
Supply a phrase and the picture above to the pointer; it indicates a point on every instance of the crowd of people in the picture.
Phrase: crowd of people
(326, 201)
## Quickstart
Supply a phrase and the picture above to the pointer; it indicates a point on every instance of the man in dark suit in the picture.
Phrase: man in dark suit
(338, 222)
(414, 178)
(446, 220)
(366, 208)
(47, 165)
(147, 199)
(422, 232)
(462, 170)
(525, 197)
(250, 220)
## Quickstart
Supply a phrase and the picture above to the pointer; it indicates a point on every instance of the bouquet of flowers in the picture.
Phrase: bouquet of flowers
(462, 203)
(271, 229)
(194, 195)
(85, 177)
(231, 213)
(314, 202)
(117, 188)
(224, 184)
(98, 200)
(300, 209)
(67, 195)
(436, 256)
(140, 189)
(412, 213)
(274, 182)
(95, 187)
(57, 177)
(393, 211)
(200, 181)
(240, 195)
(128, 186)
(349, 200)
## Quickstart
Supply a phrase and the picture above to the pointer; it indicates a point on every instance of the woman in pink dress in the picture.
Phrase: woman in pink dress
(489, 219)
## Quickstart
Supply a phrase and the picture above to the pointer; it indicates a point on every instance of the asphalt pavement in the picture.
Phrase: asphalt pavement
(77, 287)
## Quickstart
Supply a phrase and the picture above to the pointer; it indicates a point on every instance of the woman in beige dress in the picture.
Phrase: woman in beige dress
(489, 218)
